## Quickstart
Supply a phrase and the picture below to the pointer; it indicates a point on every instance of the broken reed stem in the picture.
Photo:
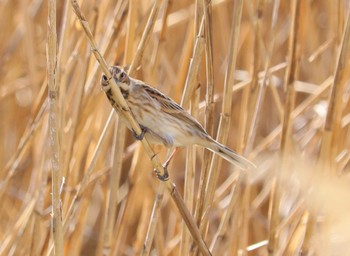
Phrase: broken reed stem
(54, 130)
(287, 119)
(136, 127)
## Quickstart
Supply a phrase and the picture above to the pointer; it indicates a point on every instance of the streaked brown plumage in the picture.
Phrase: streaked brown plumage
(164, 121)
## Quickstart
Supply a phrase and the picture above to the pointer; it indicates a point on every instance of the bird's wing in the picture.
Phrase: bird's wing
(170, 107)
(167, 104)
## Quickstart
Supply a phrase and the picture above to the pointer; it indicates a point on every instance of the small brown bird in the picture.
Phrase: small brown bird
(162, 120)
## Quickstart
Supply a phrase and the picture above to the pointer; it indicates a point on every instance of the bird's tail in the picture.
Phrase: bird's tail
(229, 154)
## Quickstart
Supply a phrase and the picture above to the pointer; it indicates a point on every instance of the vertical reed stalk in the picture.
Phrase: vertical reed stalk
(54, 129)
(223, 129)
(290, 77)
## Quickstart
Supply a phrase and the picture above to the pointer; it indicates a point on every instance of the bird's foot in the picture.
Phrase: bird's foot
(165, 176)
(141, 135)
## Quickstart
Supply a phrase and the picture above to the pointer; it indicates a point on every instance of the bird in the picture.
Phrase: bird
(162, 120)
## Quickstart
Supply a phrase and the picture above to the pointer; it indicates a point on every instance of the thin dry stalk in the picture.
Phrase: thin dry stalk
(209, 96)
(189, 184)
(104, 218)
(221, 233)
(114, 183)
(61, 52)
(12, 164)
(244, 215)
(160, 239)
(71, 137)
(233, 239)
(145, 37)
(130, 35)
(296, 241)
(167, 7)
(307, 243)
(196, 59)
(75, 241)
(54, 130)
(142, 228)
(29, 44)
(39, 208)
(253, 92)
(185, 57)
(20, 224)
(197, 54)
(154, 219)
(267, 76)
(121, 225)
(293, 217)
(313, 98)
(288, 108)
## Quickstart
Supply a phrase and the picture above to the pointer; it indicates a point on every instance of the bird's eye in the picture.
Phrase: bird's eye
(122, 76)
(104, 80)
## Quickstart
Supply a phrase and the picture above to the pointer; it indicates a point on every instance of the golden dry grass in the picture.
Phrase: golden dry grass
(267, 78)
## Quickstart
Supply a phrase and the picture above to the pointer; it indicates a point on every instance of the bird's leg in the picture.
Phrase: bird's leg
(141, 135)
(165, 176)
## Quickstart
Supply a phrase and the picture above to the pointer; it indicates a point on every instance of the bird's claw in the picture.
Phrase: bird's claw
(139, 136)
(165, 176)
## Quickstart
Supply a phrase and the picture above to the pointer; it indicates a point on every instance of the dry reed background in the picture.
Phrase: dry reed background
(289, 57)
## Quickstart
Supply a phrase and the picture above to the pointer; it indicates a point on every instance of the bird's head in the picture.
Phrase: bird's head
(119, 76)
